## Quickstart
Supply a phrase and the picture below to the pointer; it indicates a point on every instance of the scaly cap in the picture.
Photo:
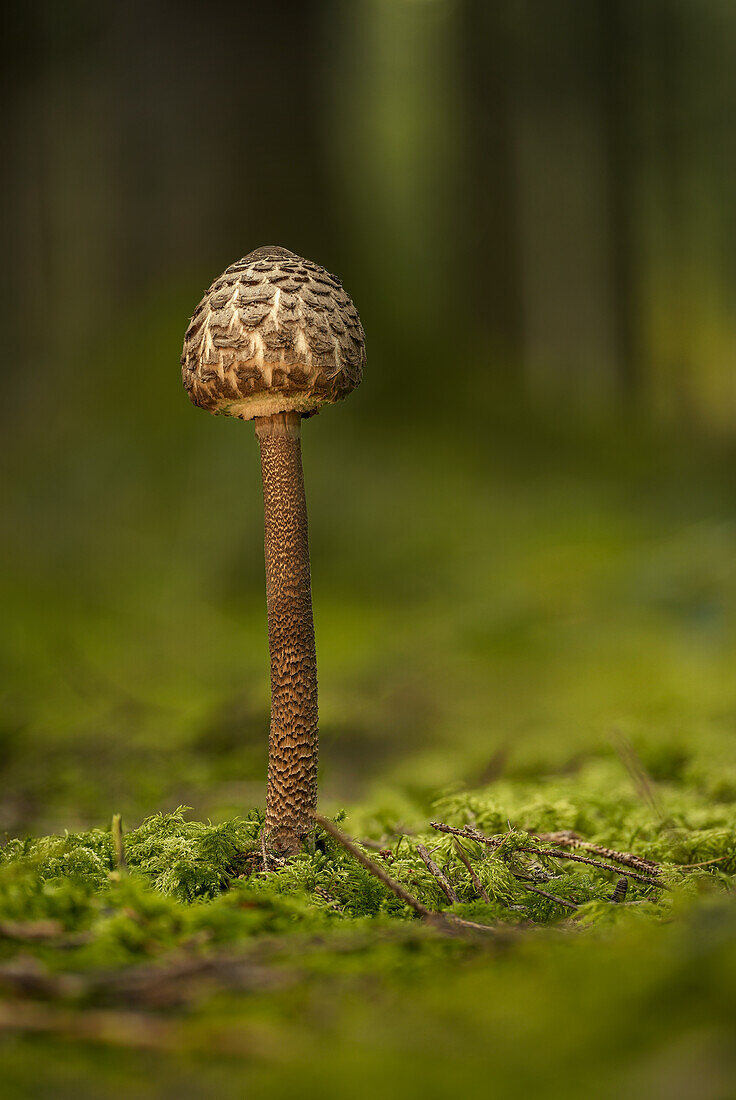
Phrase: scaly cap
(275, 333)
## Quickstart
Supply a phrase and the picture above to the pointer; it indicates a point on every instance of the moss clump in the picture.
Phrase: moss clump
(187, 877)
(194, 948)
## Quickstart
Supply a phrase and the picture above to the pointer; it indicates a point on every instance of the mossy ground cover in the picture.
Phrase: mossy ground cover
(191, 953)
(519, 637)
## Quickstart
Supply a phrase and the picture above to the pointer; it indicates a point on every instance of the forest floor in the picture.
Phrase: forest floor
(530, 643)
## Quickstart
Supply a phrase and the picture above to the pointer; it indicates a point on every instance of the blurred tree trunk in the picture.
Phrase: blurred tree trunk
(395, 141)
(571, 344)
(619, 129)
(688, 100)
(490, 245)
(63, 194)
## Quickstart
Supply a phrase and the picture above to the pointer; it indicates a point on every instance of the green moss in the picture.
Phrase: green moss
(185, 879)
(322, 981)
(528, 605)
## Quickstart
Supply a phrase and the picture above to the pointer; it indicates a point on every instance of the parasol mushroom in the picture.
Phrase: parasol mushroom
(273, 340)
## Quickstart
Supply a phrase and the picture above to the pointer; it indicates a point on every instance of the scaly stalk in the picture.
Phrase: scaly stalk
(293, 742)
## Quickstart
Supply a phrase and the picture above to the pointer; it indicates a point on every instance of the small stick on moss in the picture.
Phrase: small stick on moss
(550, 897)
(705, 863)
(445, 922)
(375, 845)
(463, 857)
(468, 834)
(568, 839)
(266, 868)
(117, 841)
(372, 867)
(596, 863)
(444, 883)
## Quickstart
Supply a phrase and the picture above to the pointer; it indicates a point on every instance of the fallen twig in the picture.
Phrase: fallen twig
(371, 866)
(445, 922)
(468, 833)
(596, 863)
(374, 845)
(266, 868)
(550, 897)
(568, 839)
(705, 863)
(462, 856)
(445, 884)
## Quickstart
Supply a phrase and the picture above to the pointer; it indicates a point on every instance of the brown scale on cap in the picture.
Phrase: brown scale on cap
(274, 339)
(275, 333)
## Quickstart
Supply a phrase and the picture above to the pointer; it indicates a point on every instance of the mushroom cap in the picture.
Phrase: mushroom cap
(275, 333)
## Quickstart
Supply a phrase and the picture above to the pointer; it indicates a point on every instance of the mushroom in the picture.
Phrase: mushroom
(273, 340)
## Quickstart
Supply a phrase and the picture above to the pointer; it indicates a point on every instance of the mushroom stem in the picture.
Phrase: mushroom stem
(293, 737)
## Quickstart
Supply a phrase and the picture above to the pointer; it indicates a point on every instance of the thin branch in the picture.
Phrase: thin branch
(445, 884)
(445, 922)
(266, 868)
(468, 834)
(463, 857)
(596, 863)
(550, 897)
(705, 863)
(645, 869)
(567, 839)
(371, 866)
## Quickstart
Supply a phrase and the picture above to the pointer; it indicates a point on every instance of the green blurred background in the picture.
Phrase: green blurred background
(523, 523)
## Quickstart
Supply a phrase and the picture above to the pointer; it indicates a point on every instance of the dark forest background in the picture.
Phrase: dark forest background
(538, 195)
(522, 523)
